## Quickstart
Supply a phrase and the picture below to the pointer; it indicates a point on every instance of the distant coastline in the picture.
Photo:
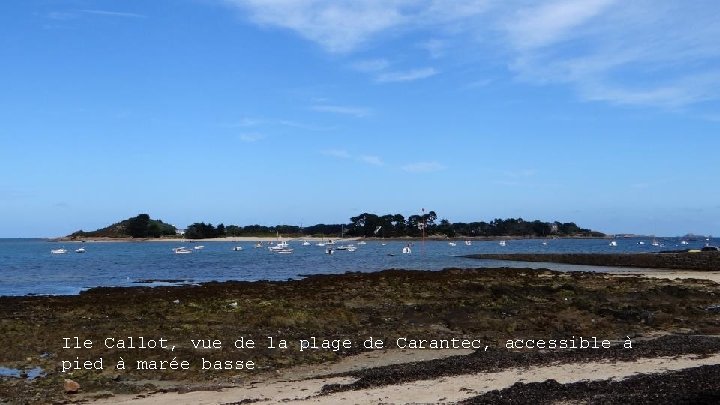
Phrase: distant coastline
(365, 225)
(308, 238)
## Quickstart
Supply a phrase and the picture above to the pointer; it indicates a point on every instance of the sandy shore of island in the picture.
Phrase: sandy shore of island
(264, 239)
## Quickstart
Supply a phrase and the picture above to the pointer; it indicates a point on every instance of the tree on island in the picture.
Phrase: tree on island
(137, 227)
(140, 226)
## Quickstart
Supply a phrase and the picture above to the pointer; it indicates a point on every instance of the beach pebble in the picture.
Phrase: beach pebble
(71, 387)
(176, 302)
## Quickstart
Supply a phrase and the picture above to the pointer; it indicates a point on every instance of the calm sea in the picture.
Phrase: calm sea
(28, 267)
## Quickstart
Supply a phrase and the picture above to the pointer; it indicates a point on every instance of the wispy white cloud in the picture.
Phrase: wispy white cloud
(636, 53)
(478, 83)
(251, 137)
(338, 153)
(247, 122)
(339, 26)
(304, 126)
(551, 22)
(253, 122)
(380, 68)
(435, 47)
(113, 13)
(371, 65)
(371, 160)
(423, 167)
(61, 15)
(406, 76)
(357, 112)
(641, 52)
(345, 25)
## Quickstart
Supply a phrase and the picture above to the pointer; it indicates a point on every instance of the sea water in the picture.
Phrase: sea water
(27, 266)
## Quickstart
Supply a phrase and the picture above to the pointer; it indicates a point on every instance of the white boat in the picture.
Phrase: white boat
(544, 243)
(341, 247)
(502, 243)
(306, 243)
(237, 248)
(362, 242)
(283, 251)
(613, 243)
(468, 243)
(320, 244)
(258, 245)
(407, 250)
(61, 251)
(329, 251)
(641, 242)
(200, 247)
(452, 243)
(684, 242)
(181, 250)
(351, 248)
(80, 250)
(655, 242)
(280, 246)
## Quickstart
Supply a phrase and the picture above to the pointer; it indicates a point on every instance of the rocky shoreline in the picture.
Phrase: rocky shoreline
(490, 305)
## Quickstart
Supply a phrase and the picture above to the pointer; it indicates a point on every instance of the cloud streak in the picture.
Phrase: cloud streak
(371, 65)
(628, 53)
(338, 26)
(113, 13)
(406, 76)
(337, 153)
(423, 167)
(371, 160)
(251, 137)
(380, 69)
(551, 22)
(643, 53)
(357, 112)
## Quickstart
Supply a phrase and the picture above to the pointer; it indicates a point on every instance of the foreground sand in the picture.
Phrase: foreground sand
(445, 389)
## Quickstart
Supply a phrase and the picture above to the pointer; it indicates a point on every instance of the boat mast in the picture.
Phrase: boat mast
(422, 226)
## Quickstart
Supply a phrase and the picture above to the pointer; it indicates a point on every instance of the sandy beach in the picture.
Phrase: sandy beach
(449, 389)
(264, 239)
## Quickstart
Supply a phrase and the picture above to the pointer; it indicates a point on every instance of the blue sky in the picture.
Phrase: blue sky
(600, 112)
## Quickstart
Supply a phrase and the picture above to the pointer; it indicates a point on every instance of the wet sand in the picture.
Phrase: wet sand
(701, 261)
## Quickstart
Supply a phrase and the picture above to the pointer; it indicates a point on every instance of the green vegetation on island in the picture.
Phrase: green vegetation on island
(363, 225)
(141, 226)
